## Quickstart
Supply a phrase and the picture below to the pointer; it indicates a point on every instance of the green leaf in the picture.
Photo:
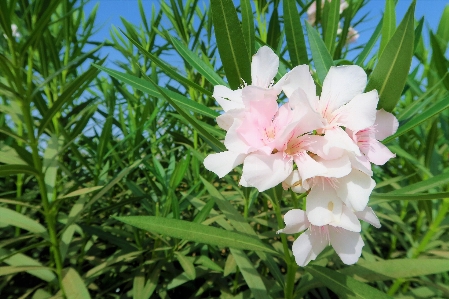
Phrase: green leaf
(343, 285)
(376, 198)
(82, 191)
(7, 270)
(74, 286)
(390, 74)
(248, 26)
(438, 181)
(250, 274)
(14, 169)
(9, 155)
(10, 217)
(148, 88)
(443, 27)
(321, 57)
(396, 268)
(294, 34)
(196, 232)
(274, 29)
(441, 63)
(368, 47)
(388, 24)
(187, 265)
(430, 112)
(330, 20)
(50, 165)
(22, 260)
(233, 53)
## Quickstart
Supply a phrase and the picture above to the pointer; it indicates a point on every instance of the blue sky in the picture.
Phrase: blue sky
(110, 11)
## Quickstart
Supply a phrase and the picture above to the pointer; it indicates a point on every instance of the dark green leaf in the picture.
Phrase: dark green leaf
(296, 43)
(321, 57)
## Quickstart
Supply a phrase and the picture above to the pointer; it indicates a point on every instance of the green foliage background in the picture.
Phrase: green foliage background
(102, 189)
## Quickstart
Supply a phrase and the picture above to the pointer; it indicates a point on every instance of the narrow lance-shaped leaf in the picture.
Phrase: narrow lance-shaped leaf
(388, 24)
(248, 26)
(321, 57)
(390, 74)
(331, 18)
(233, 53)
(370, 44)
(344, 286)
(294, 34)
(196, 232)
(441, 64)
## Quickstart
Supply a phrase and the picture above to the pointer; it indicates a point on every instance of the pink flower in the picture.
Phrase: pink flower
(343, 235)
(311, 11)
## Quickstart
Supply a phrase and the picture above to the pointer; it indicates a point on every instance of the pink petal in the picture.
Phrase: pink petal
(265, 172)
(222, 163)
(295, 221)
(377, 153)
(294, 182)
(386, 124)
(226, 120)
(235, 142)
(323, 205)
(308, 167)
(264, 67)
(222, 93)
(260, 100)
(317, 144)
(307, 247)
(359, 113)
(360, 163)
(355, 189)
(369, 216)
(305, 115)
(347, 244)
(341, 85)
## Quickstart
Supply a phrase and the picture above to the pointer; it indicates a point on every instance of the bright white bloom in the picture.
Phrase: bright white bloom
(344, 238)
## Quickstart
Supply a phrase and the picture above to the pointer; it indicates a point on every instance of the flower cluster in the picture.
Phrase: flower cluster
(323, 145)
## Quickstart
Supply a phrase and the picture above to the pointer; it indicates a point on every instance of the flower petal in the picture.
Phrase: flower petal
(300, 77)
(294, 182)
(222, 93)
(304, 114)
(377, 153)
(307, 247)
(348, 220)
(235, 142)
(341, 85)
(222, 163)
(360, 163)
(265, 172)
(264, 67)
(337, 138)
(308, 167)
(336, 168)
(386, 124)
(359, 113)
(323, 205)
(369, 216)
(226, 120)
(295, 221)
(355, 189)
(347, 244)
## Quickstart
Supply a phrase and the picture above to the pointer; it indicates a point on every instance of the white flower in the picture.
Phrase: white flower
(344, 236)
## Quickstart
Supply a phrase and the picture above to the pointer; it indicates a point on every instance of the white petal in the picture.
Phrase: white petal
(226, 120)
(348, 220)
(386, 124)
(355, 189)
(264, 67)
(360, 163)
(308, 167)
(323, 205)
(347, 244)
(294, 182)
(265, 172)
(222, 163)
(295, 221)
(243, 183)
(300, 77)
(307, 247)
(304, 115)
(341, 85)
(336, 168)
(317, 145)
(221, 93)
(369, 216)
(337, 138)
(234, 141)
(359, 113)
(377, 153)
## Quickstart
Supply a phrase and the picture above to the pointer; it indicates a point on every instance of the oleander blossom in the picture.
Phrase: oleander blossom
(343, 236)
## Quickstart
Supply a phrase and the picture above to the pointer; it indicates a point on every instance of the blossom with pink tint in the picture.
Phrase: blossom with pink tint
(344, 235)
(311, 11)
(367, 139)
(353, 35)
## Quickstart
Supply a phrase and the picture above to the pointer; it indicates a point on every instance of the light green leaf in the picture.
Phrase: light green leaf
(376, 198)
(21, 260)
(430, 112)
(321, 57)
(10, 217)
(250, 274)
(8, 155)
(14, 169)
(74, 286)
(187, 265)
(228, 33)
(441, 63)
(396, 268)
(388, 24)
(368, 47)
(50, 165)
(7, 270)
(82, 191)
(196, 232)
(294, 34)
(343, 285)
(390, 74)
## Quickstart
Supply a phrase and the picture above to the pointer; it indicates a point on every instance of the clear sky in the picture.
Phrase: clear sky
(110, 11)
